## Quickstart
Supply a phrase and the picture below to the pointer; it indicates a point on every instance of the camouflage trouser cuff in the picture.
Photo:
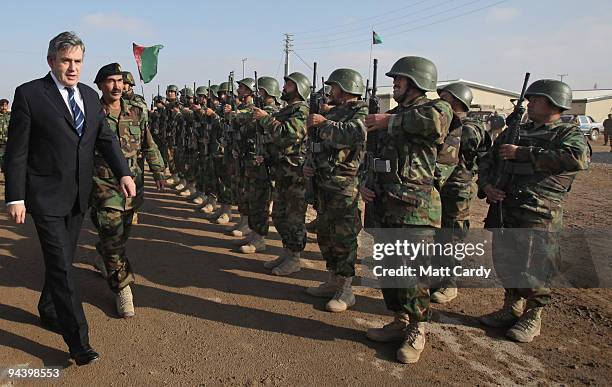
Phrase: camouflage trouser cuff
(157, 176)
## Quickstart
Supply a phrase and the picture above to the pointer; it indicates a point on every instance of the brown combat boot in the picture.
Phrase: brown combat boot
(528, 326)
(344, 297)
(325, 289)
(278, 260)
(444, 295)
(394, 331)
(257, 244)
(242, 228)
(508, 315)
(413, 344)
(290, 265)
(226, 214)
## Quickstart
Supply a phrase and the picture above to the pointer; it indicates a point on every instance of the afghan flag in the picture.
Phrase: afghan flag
(376, 39)
(146, 59)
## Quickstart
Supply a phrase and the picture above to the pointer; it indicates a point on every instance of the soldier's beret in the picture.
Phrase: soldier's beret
(108, 70)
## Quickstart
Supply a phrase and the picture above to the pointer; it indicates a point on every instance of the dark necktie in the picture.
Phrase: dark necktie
(77, 114)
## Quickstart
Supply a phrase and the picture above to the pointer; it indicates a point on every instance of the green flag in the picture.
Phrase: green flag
(146, 59)
(376, 39)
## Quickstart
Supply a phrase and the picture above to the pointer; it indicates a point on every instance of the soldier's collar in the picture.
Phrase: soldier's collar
(417, 101)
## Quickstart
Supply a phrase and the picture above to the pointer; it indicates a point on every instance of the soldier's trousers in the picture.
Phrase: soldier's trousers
(114, 228)
(289, 210)
(339, 222)
(171, 162)
(259, 194)
(2, 150)
(414, 300)
(222, 181)
(523, 259)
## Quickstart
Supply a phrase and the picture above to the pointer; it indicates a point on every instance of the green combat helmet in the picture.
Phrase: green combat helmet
(420, 70)
(187, 92)
(459, 91)
(223, 87)
(202, 90)
(271, 86)
(302, 82)
(350, 81)
(557, 92)
(128, 78)
(172, 88)
(248, 82)
(214, 89)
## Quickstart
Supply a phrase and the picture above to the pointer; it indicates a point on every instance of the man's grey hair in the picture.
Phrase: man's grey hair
(67, 39)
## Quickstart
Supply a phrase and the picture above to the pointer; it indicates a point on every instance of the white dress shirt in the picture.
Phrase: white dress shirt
(64, 93)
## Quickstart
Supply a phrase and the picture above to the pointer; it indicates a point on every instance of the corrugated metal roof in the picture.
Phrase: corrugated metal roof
(592, 94)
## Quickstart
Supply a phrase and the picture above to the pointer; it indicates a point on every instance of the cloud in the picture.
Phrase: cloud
(115, 21)
(503, 14)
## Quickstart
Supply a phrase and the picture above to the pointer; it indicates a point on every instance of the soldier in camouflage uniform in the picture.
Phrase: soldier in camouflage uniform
(221, 156)
(111, 212)
(209, 147)
(244, 129)
(188, 142)
(287, 129)
(128, 92)
(459, 189)
(545, 162)
(409, 138)
(5, 117)
(171, 115)
(257, 161)
(336, 151)
(199, 197)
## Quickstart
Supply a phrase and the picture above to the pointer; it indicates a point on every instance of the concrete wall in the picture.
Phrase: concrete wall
(578, 108)
(599, 110)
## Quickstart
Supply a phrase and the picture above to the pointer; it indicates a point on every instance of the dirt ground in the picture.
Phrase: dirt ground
(208, 315)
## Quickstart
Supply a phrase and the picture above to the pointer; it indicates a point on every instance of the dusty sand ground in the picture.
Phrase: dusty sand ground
(208, 315)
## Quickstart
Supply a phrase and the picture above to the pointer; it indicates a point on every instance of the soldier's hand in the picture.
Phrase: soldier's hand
(325, 108)
(17, 212)
(308, 172)
(160, 184)
(235, 154)
(377, 121)
(494, 195)
(259, 113)
(209, 112)
(195, 107)
(259, 160)
(508, 151)
(127, 186)
(227, 108)
(315, 120)
(367, 194)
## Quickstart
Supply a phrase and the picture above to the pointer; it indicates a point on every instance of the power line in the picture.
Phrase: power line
(303, 61)
(362, 41)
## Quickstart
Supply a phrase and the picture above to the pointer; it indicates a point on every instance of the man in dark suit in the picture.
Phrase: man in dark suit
(55, 125)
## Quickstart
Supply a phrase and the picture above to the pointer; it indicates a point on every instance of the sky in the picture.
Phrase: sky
(487, 41)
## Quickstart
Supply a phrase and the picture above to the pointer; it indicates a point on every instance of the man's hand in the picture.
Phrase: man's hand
(308, 172)
(259, 160)
(209, 112)
(377, 121)
(494, 195)
(367, 194)
(160, 184)
(259, 113)
(227, 108)
(315, 120)
(17, 212)
(325, 108)
(508, 151)
(127, 186)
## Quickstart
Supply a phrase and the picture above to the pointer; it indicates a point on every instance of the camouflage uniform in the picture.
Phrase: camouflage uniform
(4, 122)
(287, 131)
(342, 140)
(111, 212)
(409, 198)
(555, 152)
(220, 153)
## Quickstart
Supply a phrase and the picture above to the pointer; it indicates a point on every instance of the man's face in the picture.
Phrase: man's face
(400, 87)
(243, 91)
(222, 96)
(289, 90)
(202, 99)
(540, 109)
(170, 95)
(336, 95)
(127, 87)
(66, 65)
(4, 108)
(111, 88)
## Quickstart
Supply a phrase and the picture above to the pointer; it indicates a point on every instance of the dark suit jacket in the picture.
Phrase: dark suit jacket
(47, 164)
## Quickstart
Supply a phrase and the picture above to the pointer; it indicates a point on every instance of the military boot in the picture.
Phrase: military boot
(243, 227)
(508, 315)
(278, 260)
(257, 244)
(444, 295)
(173, 180)
(197, 198)
(312, 225)
(413, 344)
(209, 205)
(125, 302)
(325, 289)
(243, 241)
(135, 218)
(528, 326)
(394, 331)
(290, 265)
(189, 190)
(182, 184)
(226, 214)
(344, 297)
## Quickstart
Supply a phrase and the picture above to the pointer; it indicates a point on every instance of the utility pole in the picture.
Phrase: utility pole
(561, 76)
(243, 60)
(287, 49)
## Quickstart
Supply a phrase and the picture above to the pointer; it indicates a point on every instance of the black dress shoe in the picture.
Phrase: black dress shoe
(85, 356)
(50, 324)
